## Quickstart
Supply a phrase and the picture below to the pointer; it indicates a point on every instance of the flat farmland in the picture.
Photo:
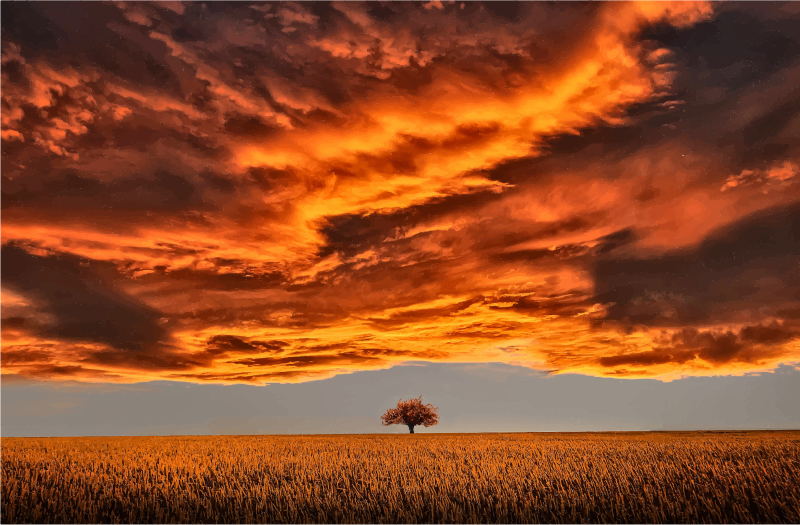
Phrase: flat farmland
(671, 477)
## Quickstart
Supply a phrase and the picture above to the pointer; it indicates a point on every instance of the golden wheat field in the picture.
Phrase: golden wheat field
(434, 478)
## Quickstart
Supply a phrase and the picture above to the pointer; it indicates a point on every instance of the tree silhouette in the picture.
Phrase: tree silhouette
(411, 413)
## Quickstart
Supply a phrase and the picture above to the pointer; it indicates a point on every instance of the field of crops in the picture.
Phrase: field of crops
(433, 478)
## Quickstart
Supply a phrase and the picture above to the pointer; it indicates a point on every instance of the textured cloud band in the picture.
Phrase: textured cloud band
(278, 192)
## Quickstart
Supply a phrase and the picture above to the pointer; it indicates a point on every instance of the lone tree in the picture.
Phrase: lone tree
(411, 413)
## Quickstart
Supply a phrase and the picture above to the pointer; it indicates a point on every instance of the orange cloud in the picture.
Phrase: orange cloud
(291, 192)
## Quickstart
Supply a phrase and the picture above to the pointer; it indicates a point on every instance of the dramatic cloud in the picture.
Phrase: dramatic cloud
(260, 192)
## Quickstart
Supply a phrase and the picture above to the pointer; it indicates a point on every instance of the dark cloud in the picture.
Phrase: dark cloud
(226, 344)
(740, 51)
(767, 126)
(381, 11)
(26, 23)
(751, 344)
(533, 256)
(58, 29)
(83, 302)
(26, 356)
(350, 234)
(150, 360)
(760, 37)
(218, 182)
(707, 284)
(234, 8)
(302, 316)
(509, 10)
(767, 334)
(614, 240)
(647, 359)
(562, 305)
(163, 191)
(252, 127)
(305, 361)
(61, 372)
(244, 279)
(402, 318)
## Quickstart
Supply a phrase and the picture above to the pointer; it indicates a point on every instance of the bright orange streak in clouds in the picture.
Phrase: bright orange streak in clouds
(369, 197)
(606, 78)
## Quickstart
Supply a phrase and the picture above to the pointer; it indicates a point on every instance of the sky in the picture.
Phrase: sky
(221, 196)
(471, 397)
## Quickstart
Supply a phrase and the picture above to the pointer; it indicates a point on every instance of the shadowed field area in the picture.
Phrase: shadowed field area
(702, 477)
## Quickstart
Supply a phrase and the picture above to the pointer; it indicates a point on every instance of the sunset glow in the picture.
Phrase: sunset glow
(284, 192)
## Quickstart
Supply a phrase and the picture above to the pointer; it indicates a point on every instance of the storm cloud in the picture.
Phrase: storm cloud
(261, 192)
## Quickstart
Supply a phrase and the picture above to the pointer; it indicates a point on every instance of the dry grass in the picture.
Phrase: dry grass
(483, 478)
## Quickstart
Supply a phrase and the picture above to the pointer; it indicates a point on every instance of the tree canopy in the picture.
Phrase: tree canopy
(411, 413)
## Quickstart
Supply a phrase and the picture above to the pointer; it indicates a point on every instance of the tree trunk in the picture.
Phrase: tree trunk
(411, 429)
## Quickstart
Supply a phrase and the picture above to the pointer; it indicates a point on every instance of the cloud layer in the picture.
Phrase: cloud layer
(288, 191)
